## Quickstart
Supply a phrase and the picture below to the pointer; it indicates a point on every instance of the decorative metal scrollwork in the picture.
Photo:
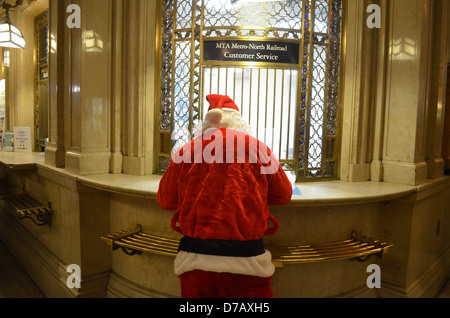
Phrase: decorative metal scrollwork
(310, 141)
(130, 251)
(377, 245)
(28, 208)
(40, 216)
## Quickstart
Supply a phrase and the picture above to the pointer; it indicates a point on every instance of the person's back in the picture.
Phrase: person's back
(221, 184)
(225, 197)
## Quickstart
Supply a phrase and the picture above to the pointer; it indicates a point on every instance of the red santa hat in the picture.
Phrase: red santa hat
(218, 103)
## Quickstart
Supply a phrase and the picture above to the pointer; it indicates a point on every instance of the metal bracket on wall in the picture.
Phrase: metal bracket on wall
(135, 242)
(358, 247)
(27, 207)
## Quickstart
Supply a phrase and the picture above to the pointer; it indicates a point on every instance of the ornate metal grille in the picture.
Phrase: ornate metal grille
(292, 108)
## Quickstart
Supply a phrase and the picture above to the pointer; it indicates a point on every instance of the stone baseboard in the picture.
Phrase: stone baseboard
(45, 268)
(120, 287)
(427, 285)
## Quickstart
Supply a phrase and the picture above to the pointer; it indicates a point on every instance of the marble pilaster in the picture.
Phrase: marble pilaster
(88, 90)
(406, 99)
(359, 47)
(55, 151)
(437, 90)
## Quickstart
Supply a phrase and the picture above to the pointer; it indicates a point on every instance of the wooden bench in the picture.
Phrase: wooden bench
(134, 241)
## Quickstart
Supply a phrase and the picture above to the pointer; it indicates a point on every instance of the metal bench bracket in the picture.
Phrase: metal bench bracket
(28, 208)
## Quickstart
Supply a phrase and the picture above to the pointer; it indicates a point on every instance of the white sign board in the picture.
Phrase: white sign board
(22, 139)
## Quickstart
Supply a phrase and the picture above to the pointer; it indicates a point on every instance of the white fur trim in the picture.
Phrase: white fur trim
(226, 109)
(260, 266)
(214, 116)
(231, 118)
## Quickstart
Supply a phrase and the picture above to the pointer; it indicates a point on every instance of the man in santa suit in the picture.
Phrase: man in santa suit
(221, 184)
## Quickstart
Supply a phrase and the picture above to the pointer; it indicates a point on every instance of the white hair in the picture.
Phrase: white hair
(224, 117)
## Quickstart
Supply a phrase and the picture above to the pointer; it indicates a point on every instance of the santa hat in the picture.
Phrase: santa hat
(217, 104)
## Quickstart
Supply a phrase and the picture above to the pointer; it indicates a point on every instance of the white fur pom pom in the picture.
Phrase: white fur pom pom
(214, 116)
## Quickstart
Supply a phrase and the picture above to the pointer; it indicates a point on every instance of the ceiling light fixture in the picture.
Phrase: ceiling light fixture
(10, 36)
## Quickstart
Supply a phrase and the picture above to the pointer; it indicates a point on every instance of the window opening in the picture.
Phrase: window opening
(291, 104)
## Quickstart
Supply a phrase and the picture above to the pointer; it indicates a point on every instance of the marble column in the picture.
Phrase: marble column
(437, 90)
(446, 137)
(406, 98)
(393, 91)
(88, 90)
(133, 107)
(117, 94)
(55, 151)
(358, 111)
(378, 96)
(140, 38)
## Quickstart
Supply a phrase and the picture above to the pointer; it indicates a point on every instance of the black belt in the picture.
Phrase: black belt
(222, 247)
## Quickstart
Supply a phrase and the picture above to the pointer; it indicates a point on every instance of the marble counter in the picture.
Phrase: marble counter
(312, 193)
(15, 160)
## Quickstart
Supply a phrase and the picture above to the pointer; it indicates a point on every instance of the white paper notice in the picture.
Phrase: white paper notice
(22, 139)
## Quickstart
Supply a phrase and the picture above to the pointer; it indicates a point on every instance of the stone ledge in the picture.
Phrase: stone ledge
(322, 193)
(312, 193)
(23, 160)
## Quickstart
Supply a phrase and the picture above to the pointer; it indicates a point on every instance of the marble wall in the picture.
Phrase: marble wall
(414, 220)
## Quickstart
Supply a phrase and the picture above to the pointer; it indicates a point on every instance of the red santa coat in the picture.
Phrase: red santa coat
(223, 199)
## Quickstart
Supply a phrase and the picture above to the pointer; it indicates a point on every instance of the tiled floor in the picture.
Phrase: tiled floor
(15, 282)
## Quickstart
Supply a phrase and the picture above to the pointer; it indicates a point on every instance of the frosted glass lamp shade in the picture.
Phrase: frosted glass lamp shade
(11, 37)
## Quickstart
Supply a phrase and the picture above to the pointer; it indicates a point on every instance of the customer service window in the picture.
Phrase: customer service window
(278, 60)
